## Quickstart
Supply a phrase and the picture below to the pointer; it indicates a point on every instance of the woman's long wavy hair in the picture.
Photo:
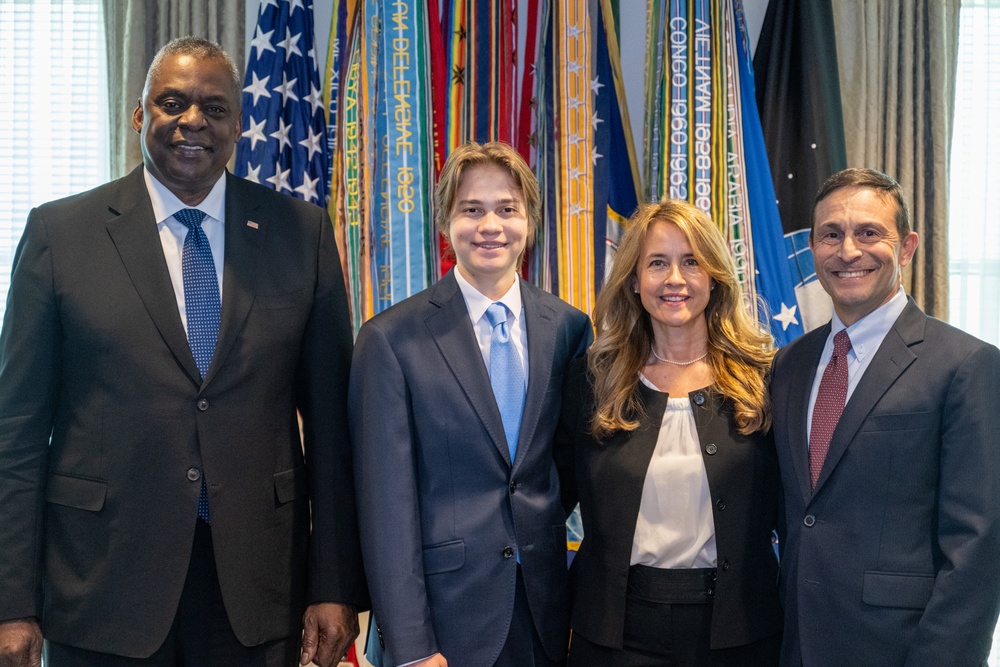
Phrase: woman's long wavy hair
(739, 349)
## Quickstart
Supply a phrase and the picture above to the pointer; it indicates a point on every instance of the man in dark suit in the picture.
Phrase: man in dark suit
(462, 528)
(155, 500)
(890, 548)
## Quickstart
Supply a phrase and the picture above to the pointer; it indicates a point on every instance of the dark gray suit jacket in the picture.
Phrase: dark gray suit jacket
(105, 424)
(894, 559)
(442, 509)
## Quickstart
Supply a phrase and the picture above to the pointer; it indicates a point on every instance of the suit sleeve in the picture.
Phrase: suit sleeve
(957, 624)
(386, 479)
(572, 421)
(335, 569)
(29, 381)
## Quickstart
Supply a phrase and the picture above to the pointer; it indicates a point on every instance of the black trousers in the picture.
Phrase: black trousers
(523, 648)
(668, 620)
(200, 636)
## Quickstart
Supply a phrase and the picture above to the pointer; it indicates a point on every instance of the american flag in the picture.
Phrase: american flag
(284, 127)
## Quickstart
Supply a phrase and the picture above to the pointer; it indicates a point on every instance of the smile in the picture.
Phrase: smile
(490, 246)
(852, 274)
(186, 148)
(675, 298)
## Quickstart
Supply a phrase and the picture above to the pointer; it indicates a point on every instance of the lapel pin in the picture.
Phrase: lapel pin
(252, 225)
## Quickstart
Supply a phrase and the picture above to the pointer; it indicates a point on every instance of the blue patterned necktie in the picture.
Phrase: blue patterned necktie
(201, 290)
(202, 305)
(506, 375)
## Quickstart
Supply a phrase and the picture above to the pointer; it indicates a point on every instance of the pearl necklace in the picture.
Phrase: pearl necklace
(676, 363)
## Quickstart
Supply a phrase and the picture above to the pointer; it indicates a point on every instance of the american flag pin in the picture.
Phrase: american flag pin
(252, 225)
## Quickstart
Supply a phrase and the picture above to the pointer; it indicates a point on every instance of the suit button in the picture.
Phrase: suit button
(699, 398)
(721, 504)
(508, 552)
(725, 566)
(809, 520)
(194, 474)
(713, 576)
(203, 404)
(513, 486)
(711, 592)
(711, 448)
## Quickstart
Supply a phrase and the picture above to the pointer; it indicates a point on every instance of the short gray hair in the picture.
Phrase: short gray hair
(201, 48)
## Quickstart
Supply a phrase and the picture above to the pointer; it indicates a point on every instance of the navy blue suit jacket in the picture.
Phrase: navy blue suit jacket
(442, 508)
(894, 559)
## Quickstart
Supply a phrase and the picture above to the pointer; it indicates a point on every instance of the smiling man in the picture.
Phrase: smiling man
(163, 333)
(886, 427)
(455, 393)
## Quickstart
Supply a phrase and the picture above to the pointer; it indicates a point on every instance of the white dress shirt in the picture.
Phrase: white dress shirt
(675, 527)
(173, 232)
(477, 303)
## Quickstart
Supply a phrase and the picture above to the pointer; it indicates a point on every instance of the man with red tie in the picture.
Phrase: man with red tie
(885, 422)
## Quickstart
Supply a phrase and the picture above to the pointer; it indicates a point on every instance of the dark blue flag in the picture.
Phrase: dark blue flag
(284, 126)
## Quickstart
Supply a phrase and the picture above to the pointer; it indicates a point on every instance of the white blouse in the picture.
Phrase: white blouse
(675, 528)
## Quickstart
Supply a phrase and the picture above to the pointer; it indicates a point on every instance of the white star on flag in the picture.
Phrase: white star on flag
(287, 88)
(308, 187)
(256, 132)
(314, 98)
(281, 134)
(253, 173)
(313, 143)
(290, 44)
(786, 316)
(280, 180)
(292, 112)
(258, 88)
(262, 41)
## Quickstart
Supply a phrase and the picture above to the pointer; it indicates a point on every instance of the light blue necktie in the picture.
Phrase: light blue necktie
(506, 375)
(202, 305)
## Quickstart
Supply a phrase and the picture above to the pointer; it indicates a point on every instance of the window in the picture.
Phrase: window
(53, 99)
(974, 198)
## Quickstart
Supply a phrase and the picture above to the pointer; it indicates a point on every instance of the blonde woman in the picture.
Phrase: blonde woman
(667, 427)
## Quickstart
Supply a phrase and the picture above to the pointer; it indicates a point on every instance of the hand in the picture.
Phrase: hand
(436, 660)
(20, 643)
(327, 630)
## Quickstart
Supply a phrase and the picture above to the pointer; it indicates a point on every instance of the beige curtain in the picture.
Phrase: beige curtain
(136, 29)
(897, 83)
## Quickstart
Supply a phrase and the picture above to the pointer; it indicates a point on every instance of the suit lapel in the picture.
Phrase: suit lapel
(133, 231)
(541, 350)
(452, 330)
(891, 359)
(244, 244)
(799, 388)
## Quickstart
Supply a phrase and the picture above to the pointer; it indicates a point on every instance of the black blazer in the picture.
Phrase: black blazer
(609, 475)
(106, 425)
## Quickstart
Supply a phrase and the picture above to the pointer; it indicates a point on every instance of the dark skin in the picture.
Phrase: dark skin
(189, 118)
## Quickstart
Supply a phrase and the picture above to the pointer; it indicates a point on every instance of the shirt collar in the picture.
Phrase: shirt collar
(867, 333)
(477, 302)
(165, 203)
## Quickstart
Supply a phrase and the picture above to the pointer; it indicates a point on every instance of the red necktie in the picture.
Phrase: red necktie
(830, 401)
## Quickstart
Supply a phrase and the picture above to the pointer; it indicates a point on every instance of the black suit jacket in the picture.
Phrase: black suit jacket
(607, 478)
(894, 559)
(442, 507)
(106, 426)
